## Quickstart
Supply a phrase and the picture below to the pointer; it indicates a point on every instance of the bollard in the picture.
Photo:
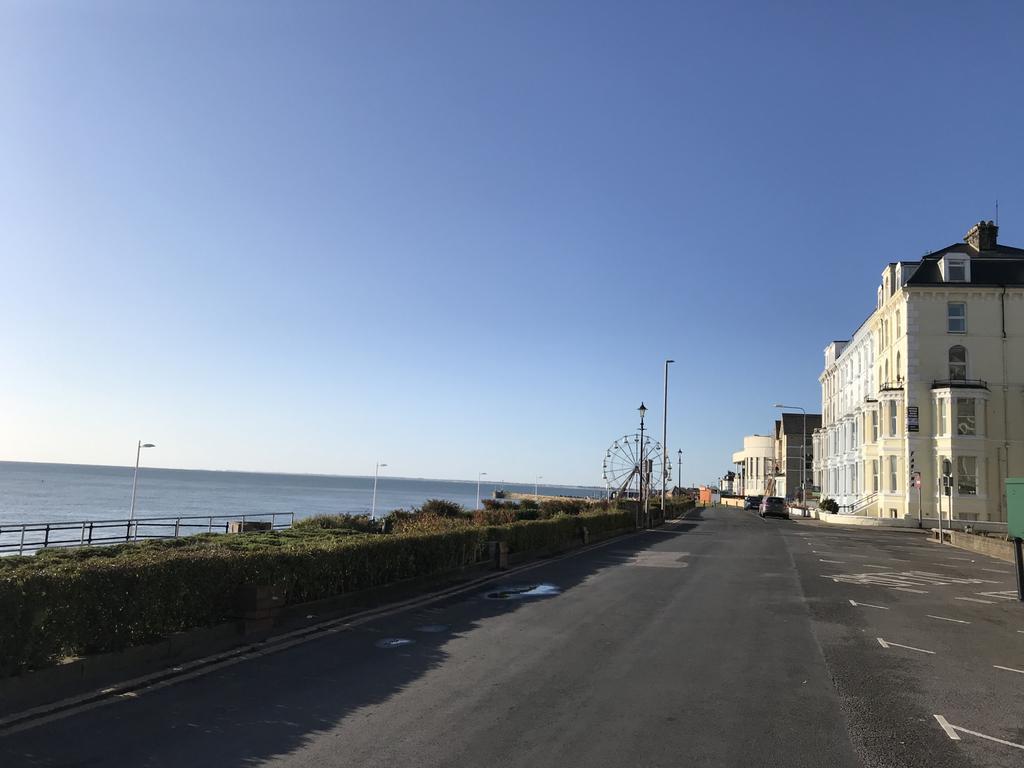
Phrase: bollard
(499, 555)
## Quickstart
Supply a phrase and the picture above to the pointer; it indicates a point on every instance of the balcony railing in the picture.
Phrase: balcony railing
(892, 386)
(959, 384)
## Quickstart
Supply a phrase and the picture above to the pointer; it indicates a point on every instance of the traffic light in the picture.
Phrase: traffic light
(912, 478)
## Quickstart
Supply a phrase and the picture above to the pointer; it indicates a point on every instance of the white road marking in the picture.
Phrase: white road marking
(1009, 594)
(951, 731)
(974, 600)
(872, 565)
(1010, 669)
(835, 562)
(908, 589)
(869, 605)
(943, 618)
(995, 570)
(889, 644)
(947, 728)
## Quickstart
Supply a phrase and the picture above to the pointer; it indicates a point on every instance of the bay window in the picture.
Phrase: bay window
(967, 475)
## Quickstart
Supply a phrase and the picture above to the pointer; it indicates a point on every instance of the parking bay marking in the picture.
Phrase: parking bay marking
(834, 562)
(951, 731)
(1009, 594)
(944, 618)
(1010, 669)
(869, 605)
(974, 600)
(889, 644)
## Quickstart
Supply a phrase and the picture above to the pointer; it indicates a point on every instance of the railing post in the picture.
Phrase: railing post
(90, 532)
(211, 524)
(46, 537)
(21, 545)
(81, 539)
(128, 532)
(177, 527)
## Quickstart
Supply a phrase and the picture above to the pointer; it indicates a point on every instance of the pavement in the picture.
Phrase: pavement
(718, 640)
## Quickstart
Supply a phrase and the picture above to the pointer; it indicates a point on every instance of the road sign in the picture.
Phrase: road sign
(913, 424)
(916, 479)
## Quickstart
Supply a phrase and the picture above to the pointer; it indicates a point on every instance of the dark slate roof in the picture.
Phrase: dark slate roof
(1003, 265)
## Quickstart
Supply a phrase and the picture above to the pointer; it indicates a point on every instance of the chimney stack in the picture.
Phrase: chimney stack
(982, 236)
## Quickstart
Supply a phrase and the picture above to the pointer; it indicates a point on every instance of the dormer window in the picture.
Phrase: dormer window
(956, 268)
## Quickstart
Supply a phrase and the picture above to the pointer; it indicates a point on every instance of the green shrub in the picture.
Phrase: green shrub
(555, 507)
(361, 523)
(441, 508)
(829, 505)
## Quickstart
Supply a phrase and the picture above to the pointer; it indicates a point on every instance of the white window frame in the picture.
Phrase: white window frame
(960, 472)
(959, 318)
(894, 475)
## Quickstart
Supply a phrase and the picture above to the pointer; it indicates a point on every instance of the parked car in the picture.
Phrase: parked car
(752, 502)
(773, 505)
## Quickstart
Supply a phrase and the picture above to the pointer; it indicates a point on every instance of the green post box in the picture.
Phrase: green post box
(1015, 507)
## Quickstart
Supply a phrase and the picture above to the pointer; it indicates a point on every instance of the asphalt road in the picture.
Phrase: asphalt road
(723, 640)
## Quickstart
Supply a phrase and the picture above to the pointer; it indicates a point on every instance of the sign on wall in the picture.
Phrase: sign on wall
(913, 423)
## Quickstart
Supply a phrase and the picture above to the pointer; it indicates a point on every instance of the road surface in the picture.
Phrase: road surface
(720, 640)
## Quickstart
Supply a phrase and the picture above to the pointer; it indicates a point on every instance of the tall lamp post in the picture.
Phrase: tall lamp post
(135, 478)
(373, 505)
(679, 469)
(642, 458)
(536, 486)
(664, 442)
(478, 476)
(803, 453)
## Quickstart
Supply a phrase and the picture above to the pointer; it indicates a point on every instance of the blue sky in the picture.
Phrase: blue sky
(463, 237)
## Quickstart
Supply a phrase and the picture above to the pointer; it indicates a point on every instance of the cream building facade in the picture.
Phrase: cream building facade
(930, 388)
(754, 465)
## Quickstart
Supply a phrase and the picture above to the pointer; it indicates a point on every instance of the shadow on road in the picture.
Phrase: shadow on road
(271, 706)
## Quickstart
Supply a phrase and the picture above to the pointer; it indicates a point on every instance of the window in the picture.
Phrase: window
(957, 363)
(897, 324)
(899, 367)
(966, 423)
(893, 475)
(853, 479)
(956, 272)
(886, 373)
(943, 430)
(874, 426)
(967, 475)
(892, 418)
(956, 317)
(874, 475)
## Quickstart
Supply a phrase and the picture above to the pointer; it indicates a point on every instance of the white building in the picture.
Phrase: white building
(754, 464)
(930, 388)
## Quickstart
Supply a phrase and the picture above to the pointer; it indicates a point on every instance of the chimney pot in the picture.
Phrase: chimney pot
(983, 236)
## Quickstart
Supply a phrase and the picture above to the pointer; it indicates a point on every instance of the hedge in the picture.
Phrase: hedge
(74, 602)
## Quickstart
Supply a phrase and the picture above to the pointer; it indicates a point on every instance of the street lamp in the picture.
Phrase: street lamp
(135, 478)
(803, 453)
(479, 475)
(373, 505)
(536, 487)
(641, 507)
(664, 442)
(679, 469)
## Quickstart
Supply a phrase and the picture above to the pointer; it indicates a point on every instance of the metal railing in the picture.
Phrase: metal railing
(959, 384)
(26, 538)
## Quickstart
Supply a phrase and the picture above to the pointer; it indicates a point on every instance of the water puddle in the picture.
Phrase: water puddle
(522, 591)
(433, 628)
(393, 642)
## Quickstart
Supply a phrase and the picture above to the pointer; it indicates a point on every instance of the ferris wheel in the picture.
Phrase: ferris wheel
(626, 464)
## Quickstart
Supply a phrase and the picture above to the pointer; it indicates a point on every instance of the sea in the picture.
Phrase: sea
(72, 494)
